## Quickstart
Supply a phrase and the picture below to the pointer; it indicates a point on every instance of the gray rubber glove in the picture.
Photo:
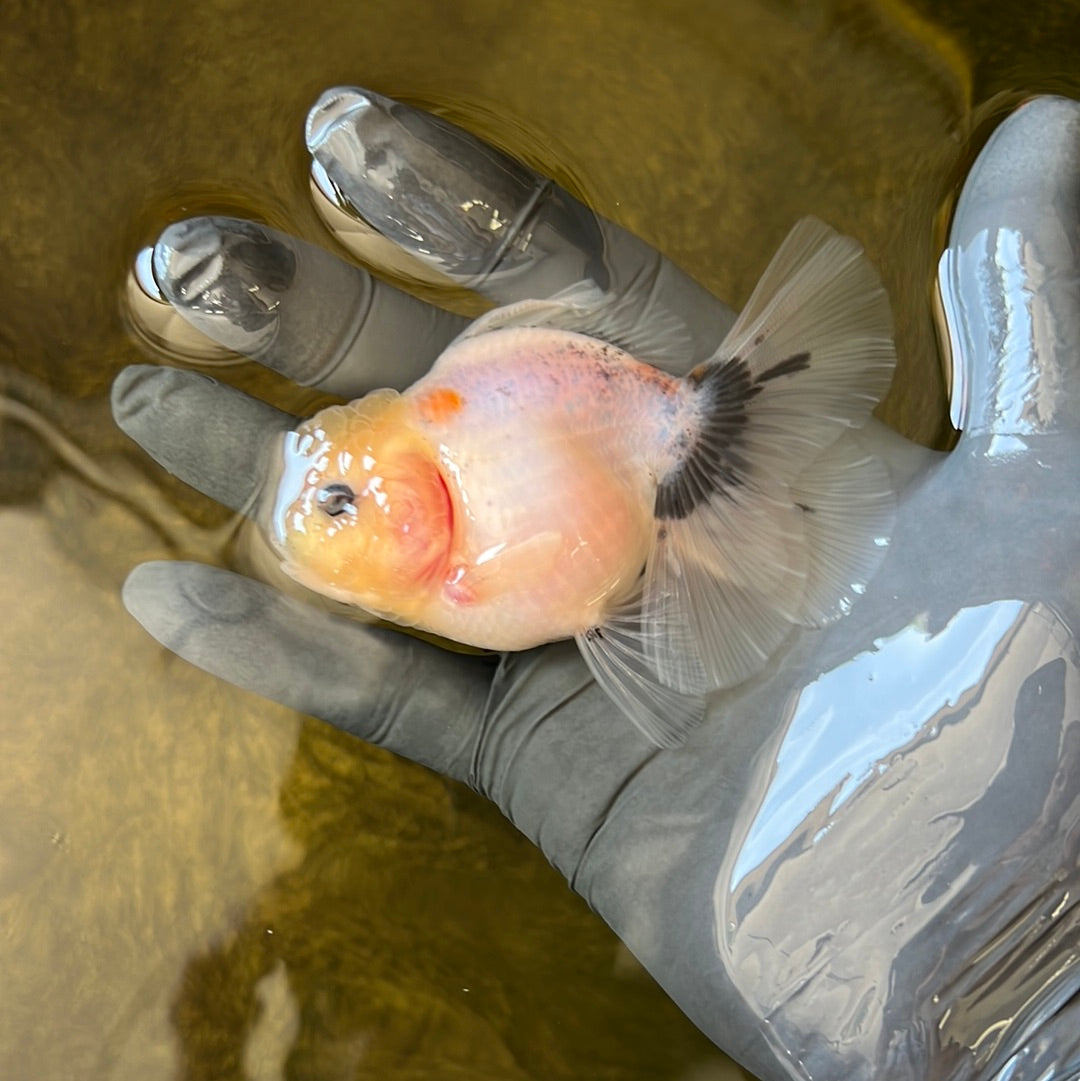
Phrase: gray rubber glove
(864, 863)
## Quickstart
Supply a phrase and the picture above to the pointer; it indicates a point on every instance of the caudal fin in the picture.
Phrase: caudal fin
(774, 516)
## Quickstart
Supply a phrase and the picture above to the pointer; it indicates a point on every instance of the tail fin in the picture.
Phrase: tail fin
(773, 517)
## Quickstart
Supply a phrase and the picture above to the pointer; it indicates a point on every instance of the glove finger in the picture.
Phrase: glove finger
(383, 686)
(296, 308)
(483, 219)
(213, 437)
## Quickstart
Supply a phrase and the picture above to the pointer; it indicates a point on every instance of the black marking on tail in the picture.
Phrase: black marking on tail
(716, 463)
(797, 362)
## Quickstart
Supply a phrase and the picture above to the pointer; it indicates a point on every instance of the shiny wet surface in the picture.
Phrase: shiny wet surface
(195, 883)
(971, 870)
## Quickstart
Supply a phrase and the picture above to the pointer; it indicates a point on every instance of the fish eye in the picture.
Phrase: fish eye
(334, 498)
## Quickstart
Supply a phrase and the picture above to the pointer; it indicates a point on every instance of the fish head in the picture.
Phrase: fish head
(361, 511)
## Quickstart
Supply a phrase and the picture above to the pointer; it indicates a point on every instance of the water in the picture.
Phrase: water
(195, 883)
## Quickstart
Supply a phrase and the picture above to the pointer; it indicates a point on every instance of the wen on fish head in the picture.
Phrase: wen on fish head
(361, 512)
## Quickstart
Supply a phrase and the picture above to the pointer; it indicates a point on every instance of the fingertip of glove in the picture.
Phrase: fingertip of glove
(139, 389)
(129, 392)
(145, 583)
(179, 603)
(166, 592)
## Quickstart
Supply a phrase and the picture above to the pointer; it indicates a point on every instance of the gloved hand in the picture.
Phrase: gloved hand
(864, 863)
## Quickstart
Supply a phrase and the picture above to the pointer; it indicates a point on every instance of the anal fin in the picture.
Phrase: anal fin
(734, 575)
(620, 656)
(745, 567)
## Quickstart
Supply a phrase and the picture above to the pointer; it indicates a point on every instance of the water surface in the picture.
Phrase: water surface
(195, 883)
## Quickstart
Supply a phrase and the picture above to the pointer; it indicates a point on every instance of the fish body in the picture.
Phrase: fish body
(544, 448)
(552, 450)
(544, 482)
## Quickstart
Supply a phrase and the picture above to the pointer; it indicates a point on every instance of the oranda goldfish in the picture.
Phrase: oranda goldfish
(543, 481)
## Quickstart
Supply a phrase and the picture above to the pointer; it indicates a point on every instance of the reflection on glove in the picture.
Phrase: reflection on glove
(864, 863)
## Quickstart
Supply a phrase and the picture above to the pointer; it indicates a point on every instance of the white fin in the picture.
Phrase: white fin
(820, 298)
(585, 309)
(767, 522)
(735, 575)
(618, 655)
(850, 507)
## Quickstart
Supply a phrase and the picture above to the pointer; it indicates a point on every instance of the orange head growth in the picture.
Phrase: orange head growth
(362, 512)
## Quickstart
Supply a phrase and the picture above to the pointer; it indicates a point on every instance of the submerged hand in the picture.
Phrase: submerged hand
(817, 875)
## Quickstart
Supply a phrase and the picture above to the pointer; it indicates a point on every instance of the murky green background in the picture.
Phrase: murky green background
(194, 883)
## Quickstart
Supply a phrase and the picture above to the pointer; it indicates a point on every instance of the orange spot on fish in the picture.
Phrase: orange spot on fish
(440, 404)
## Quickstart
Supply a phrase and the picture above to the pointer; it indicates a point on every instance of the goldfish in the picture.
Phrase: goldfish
(545, 480)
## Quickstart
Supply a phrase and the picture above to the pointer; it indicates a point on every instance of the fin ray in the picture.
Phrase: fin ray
(849, 504)
(735, 580)
(774, 516)
(813, 350)
(619, 655)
